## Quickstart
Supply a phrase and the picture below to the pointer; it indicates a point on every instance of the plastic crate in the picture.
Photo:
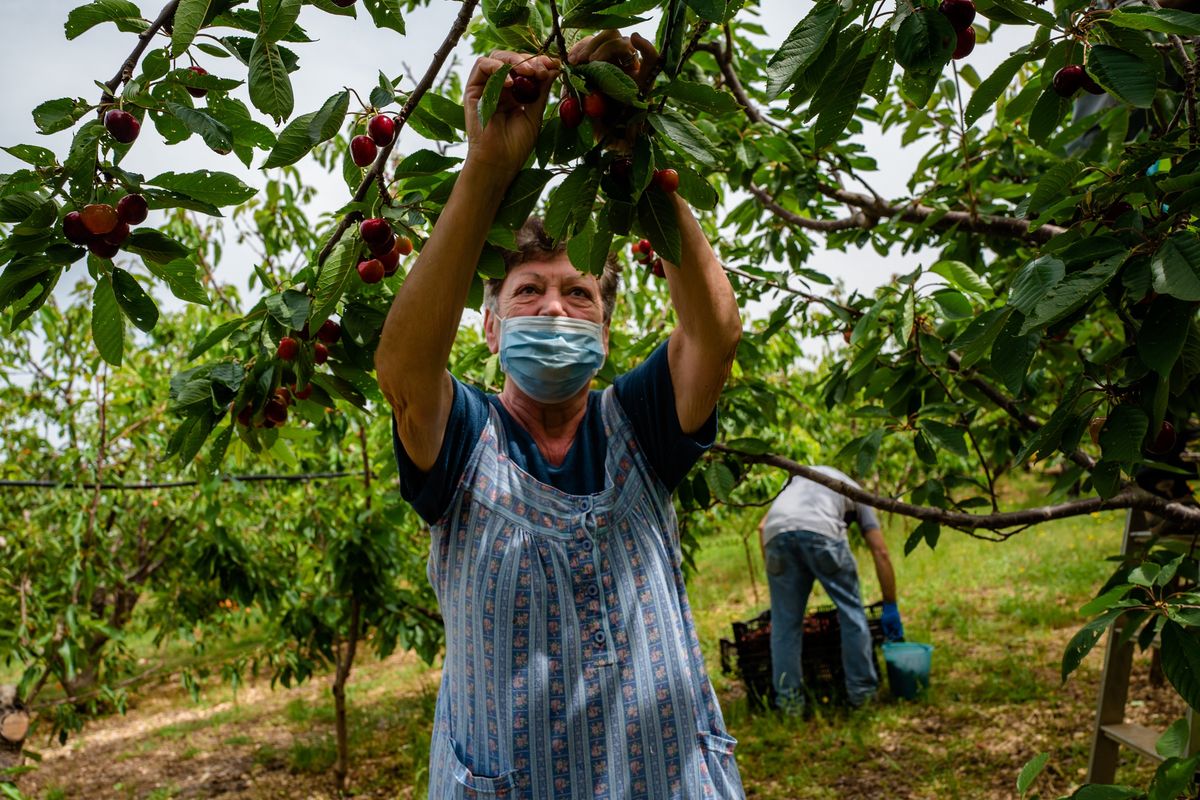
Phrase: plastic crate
(748, 656)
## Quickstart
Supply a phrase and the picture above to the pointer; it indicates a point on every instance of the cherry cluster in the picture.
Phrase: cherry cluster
(960, 14)
(365, 147)
(386, 249)
(102, 228)
(643, 253)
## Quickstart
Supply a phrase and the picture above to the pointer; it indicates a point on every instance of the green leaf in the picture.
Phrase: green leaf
(962, 277)
(214, 188)
(947, 436)
(1026, 11)
(290, 308)
(719, 479)
(749, 444)
(331, 283)
(924, 449)
(1013, 352)
(702, 96)
(1144, 574)
(1181, 661)
(490, 99)
(180, 277)
(521, 197)
(1122, 74)
(925, 41)
(445, 110)
(215, 134)
(31, 154)
(694, 188)
(58, 115)
(1047, 114)
(1174, 777)
(711, 10)
(84, 18)
(216, 451)
(1106, 600)
(1163, 333)
(571, 203)
(155, 246)
(685, 136)
(134, 301)
(386, 14)
(328, 121)
(1033, 281)
(1085, 639)
(800, 47)
(213, 338)
(278, 17)
(1054, 185)
(928, 531)
(610, 79)
(837, 111)
(1174, 741)
(1176, 267)
(993, 86)
(1122, 434)
(657, 217)
(1072, 293)
(108, 328)
(189, 17)
(427, 162)
(1162, 20)
(1033, 767)
(270, 86)
(503, 13)
(294, 142)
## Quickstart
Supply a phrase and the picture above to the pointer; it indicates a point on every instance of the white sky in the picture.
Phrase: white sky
(347, 53)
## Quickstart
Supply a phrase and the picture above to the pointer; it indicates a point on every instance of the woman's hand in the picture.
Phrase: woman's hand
(508, 139)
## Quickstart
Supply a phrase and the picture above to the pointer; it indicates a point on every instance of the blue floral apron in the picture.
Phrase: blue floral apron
(572, 666)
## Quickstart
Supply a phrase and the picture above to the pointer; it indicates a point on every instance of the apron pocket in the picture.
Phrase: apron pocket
(721, 769)
(460, 782)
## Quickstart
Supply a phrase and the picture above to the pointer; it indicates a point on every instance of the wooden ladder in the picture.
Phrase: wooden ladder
(1112, 731)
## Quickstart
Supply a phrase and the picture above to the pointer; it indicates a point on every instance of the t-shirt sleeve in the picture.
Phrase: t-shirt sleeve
(430, 492)
(647, 396)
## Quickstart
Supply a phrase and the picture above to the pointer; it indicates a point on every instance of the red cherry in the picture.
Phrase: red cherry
(666, 179)
(101, 248)
(644, 246)
(391, 262)
(1089, 84)
(275, 411)
(329, 332)
(966, 43)
(196, 91)
(122, 125)
(658, 269)
(117, 235)
(570, 113)
(363, 150)
(404, 245)
(384, 247)
(1164, 441)
(302, 394)
(594, 105)
(525, 90)
(288, 349)
(132, 208)
(74, 229)
(246, 415)
(382, 129)
(375, 230)
(99, 218)
(371, 271)
(320, 353)
(960, 13)
(621, 169)
(283, 395)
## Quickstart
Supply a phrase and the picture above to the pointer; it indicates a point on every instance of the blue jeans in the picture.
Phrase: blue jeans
(793, 560)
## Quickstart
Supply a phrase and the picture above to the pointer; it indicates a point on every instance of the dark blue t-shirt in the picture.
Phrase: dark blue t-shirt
(647, 397)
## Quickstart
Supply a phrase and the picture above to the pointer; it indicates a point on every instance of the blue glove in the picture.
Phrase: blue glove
(893, 628)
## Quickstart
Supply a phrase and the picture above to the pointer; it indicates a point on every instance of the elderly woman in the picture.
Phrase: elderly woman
(572, 666)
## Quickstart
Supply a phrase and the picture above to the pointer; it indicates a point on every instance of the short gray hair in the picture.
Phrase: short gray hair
(535, 244)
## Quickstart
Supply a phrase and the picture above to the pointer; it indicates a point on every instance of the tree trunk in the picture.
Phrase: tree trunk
(341, 767)
(14, 724)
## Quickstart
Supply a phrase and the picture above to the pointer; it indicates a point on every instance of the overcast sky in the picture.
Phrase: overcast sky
(41, 64)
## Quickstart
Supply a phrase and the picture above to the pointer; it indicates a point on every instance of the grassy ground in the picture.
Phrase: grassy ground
(999, 616)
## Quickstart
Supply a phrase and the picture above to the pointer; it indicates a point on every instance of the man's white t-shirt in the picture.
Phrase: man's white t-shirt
(807, 506)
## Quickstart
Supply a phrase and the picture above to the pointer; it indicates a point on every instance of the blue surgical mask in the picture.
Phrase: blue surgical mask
(551, 358)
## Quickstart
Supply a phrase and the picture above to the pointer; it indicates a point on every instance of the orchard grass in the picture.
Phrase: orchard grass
(998, 615)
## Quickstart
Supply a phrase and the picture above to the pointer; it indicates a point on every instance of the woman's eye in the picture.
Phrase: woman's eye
(526, 290)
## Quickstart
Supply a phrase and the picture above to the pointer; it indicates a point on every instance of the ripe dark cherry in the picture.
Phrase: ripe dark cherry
(525, 90)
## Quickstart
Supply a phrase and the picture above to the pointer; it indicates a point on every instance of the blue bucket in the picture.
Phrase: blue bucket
(907, 667)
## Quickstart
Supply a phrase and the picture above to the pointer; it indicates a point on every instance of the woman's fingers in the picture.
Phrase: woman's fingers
(649, 57)
(584, 50)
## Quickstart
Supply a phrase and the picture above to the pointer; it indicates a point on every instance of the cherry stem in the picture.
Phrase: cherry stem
(126, 70)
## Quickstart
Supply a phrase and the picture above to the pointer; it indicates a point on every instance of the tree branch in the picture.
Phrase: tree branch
(1129, 497)
(856, 220)
(126, 70)
(439, 58)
